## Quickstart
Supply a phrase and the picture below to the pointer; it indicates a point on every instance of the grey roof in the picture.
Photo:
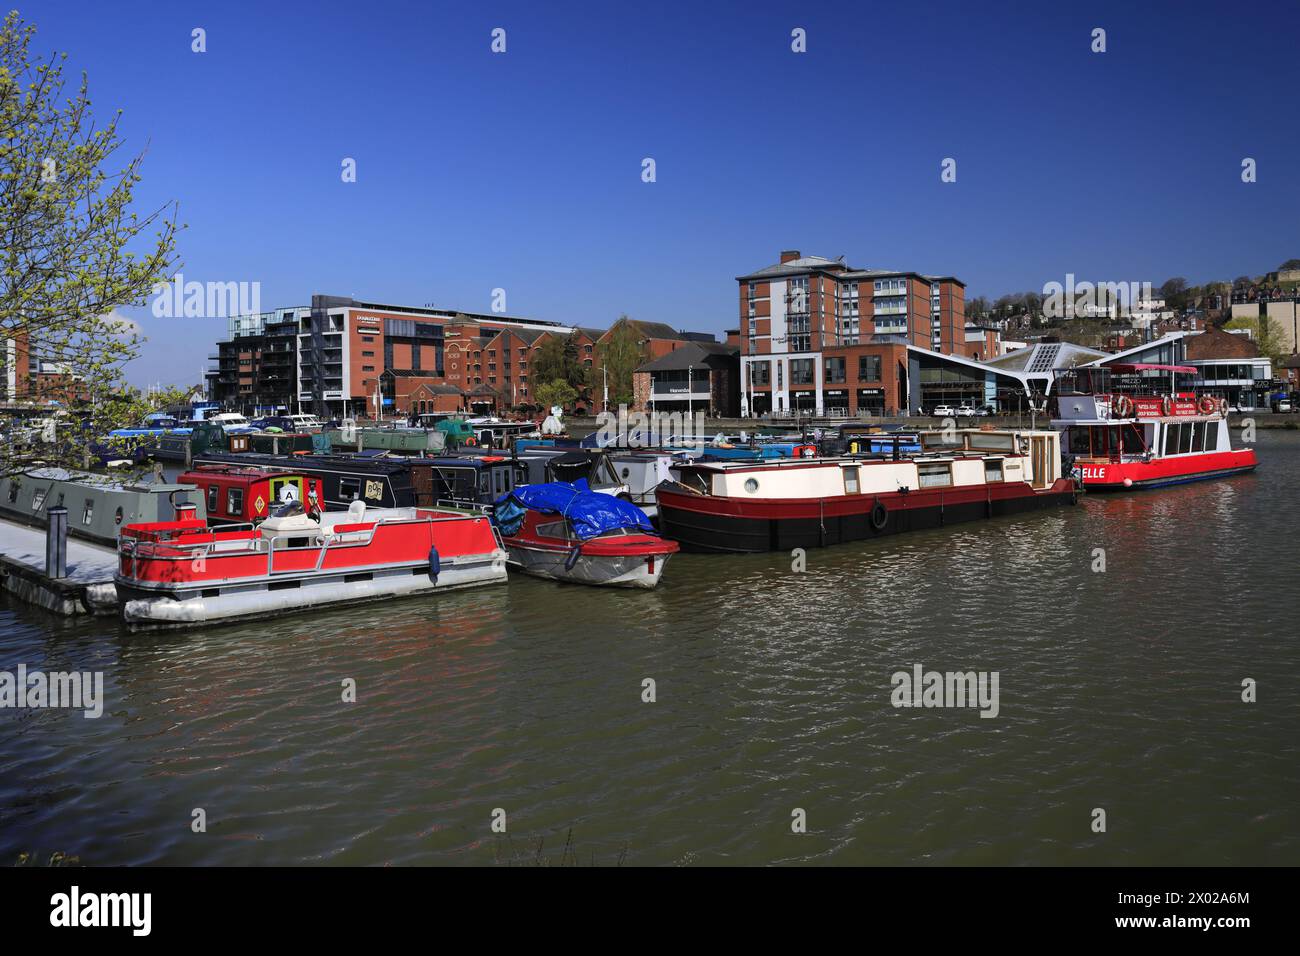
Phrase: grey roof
(809, 264)
(706, 354)
(795, 267)
(1046, 357)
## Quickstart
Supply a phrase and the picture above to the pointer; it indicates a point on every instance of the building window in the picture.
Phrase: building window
(835, 368)
(868, 368)
(801, 371)
(368, 354)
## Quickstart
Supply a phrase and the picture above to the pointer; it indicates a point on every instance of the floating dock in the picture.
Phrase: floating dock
(87, 588)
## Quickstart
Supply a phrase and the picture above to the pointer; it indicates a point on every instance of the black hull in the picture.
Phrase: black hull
(728, 534)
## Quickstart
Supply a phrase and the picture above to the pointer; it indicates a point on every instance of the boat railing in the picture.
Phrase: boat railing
(460, 505)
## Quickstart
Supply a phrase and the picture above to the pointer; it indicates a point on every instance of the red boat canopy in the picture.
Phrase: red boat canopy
(1121, 367)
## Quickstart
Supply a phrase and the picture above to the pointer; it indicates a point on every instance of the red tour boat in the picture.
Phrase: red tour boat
(1124, 429)
(176, 573)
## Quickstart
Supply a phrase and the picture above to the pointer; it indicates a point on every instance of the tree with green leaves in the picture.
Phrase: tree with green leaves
(74, 251)
(557, 359)
(620, 355)
(557, 392)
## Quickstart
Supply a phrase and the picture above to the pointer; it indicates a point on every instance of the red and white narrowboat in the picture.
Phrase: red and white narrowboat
(179, 573)
(241, 495)
(1120, 432)
(778, 505)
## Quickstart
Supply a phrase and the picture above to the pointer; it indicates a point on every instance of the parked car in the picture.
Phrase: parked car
(1283, 405)
(966, 411)
(984, 410)
(944, 411)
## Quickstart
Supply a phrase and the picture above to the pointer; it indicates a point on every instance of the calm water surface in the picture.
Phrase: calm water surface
(1119, 690)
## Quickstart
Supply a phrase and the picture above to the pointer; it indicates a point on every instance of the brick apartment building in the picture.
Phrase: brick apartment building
(350, 358)
(818, 336)
(26, 378)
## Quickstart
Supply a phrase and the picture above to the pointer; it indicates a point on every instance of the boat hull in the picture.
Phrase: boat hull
(1163, 472)
(623, 571)
(143, 608)
(704, 523)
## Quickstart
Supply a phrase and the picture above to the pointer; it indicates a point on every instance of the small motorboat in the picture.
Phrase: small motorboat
(181, 573)
(569, 533)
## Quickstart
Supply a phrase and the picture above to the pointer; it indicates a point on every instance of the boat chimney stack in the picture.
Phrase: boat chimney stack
(56, 543)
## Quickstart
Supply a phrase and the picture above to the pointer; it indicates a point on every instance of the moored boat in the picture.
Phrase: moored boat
(99, 506)
(181, 573)
(568, 533)
(235, 495)
(1121, 430)
(961, 475)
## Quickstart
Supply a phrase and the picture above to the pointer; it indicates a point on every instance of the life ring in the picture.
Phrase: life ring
(1121, 406)
(879, 516)
(1166, 406)
(1207, 405)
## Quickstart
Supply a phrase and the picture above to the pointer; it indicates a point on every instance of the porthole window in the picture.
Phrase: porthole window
(625, 471)
(751, 485)
(117, 516)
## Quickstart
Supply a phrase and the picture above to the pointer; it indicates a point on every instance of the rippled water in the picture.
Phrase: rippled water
(1118, 690)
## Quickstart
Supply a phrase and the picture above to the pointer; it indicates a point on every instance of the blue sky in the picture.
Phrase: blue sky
(523, 170)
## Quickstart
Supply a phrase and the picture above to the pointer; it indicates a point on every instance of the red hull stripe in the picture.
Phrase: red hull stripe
(852, 504)
(1159, 469)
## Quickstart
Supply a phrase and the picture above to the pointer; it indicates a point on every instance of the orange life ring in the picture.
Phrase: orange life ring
(1207, 405)
(1121, 406)
(1166, 406)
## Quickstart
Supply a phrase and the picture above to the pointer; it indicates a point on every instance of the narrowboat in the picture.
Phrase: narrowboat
(377, 481)
(181, 573)
(386, 481)
(240, 495)
(961, 475)
(98, 506)
(569, 533)
(1122, 430)
(641, 472)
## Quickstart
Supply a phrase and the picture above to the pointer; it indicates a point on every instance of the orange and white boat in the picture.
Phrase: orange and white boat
(1123, 429)
(180, 573)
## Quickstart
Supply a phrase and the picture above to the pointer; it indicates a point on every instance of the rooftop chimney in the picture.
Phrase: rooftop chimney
(789, 255)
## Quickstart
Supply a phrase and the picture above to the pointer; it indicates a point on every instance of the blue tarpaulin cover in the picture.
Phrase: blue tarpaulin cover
(590, 512)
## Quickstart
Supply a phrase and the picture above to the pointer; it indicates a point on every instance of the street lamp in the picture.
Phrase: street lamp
(689, 389)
